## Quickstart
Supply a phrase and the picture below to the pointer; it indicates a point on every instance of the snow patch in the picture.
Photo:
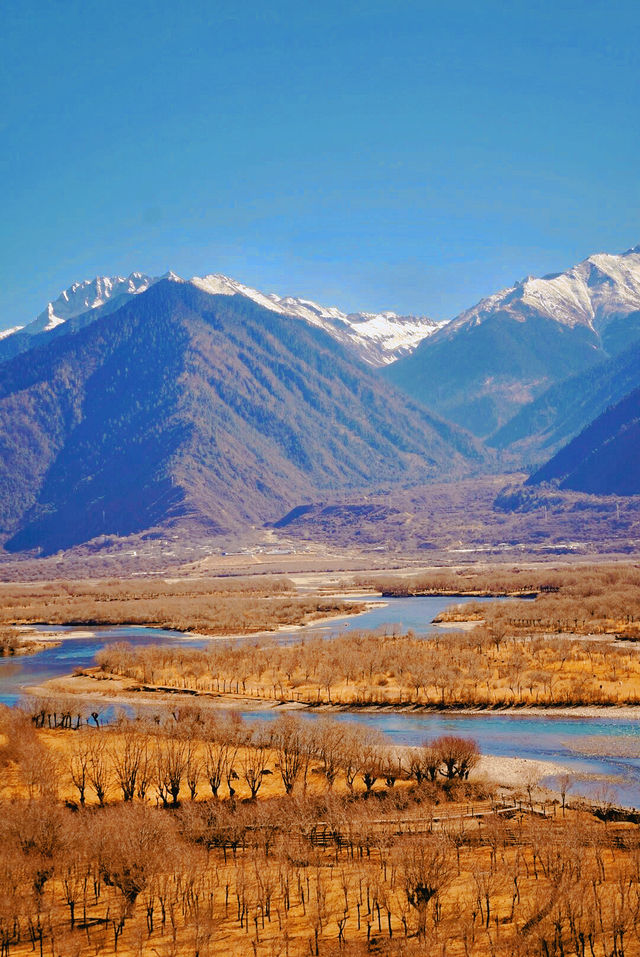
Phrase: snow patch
(378, 338)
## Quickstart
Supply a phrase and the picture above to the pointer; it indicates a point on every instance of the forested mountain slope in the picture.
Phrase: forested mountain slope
(186, 404)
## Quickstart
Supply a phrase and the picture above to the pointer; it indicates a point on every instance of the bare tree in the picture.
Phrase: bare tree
(79, 759)
(330, 744)
(171, 756)
(458, 755)
(193, 769)
(98, 765)
(426, 868)
(289, 742)
(565, 783)
(133, 844)
(217, 756)
(253, 764)
(127, 755)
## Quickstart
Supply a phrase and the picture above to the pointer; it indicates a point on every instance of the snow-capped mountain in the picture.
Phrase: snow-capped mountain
(378, 338)
(4, 333)
(482, 367)
(84, 296)
(599, 289)
(186, 407)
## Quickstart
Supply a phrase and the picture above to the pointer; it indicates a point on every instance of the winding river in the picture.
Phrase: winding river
(569, 742)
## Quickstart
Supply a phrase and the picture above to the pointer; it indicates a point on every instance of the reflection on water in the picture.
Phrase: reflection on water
(612, 742)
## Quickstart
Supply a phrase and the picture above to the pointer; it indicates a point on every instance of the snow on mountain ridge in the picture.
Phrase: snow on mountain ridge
(592, 293)
(378, 338)
(84, 296)
(4, 333)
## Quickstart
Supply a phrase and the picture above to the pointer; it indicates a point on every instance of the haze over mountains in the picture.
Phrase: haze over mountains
(134, 402)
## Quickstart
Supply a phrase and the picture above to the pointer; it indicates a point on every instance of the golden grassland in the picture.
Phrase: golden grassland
(184, 832)
(401, 867)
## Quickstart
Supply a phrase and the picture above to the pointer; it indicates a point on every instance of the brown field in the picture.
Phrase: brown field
(186, 832)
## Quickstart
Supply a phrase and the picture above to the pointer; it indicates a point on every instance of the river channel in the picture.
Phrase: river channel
(568, 742)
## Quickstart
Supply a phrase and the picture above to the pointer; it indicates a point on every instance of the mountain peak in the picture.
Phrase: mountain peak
(116, 439)
(378, 338)
(592, 293)
(498, 356)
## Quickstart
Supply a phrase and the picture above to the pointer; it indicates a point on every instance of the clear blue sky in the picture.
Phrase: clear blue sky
(406, 155)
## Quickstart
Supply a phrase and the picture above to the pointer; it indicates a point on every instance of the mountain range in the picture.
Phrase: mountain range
(376, 338)
(130, 403)
(183, 404)
(543, 426)
(604, 459)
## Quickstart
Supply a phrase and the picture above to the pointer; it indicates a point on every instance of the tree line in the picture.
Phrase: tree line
(483, 667)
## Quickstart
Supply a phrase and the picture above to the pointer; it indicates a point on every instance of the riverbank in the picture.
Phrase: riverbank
(509, 772)
(517, 773)
(47, 639)
(92, 682)
(30, 642)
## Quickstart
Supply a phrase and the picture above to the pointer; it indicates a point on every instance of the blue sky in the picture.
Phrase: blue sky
(404, 155)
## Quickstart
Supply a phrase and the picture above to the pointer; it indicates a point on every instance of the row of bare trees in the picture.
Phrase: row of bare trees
(192, 752)
(487, 666)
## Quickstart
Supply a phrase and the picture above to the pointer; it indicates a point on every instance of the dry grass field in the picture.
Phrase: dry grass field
(152, 863)
(184, 831)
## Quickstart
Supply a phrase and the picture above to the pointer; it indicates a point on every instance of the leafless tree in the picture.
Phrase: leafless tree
(289, 741)
(458, 755)
(127, 754)
(79, 760)
(98, 765)
(171, 755)
(426, 868)
(253, 764)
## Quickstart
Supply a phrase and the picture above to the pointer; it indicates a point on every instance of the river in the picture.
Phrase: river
(566, 741)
